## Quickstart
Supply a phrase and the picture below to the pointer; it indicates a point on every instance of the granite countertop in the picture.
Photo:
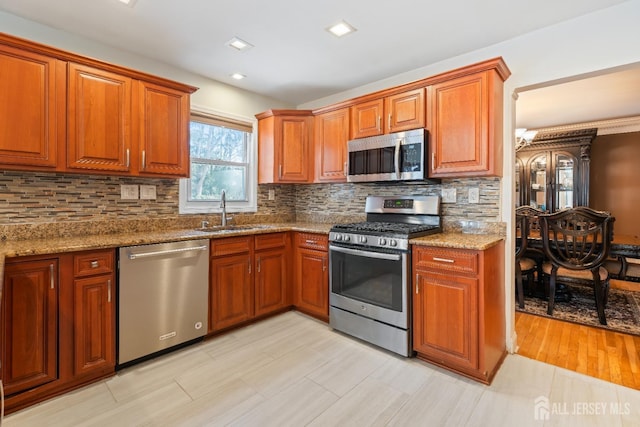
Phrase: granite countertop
(101, 241)
(459, 240)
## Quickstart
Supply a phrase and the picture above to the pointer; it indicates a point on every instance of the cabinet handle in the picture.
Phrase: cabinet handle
(450, 261)
(52, 281)
(144, 159)
(324, 264)
(128, 158)
(417, 283)
(389, 122)
(433, 160)
(345, 169)
(310, 242)
(379, 123)
(280, 171)
(249, 263)
(109, 290)
(258, 265)
(94, 264)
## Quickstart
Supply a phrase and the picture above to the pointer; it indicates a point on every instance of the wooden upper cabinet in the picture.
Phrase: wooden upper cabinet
(164, 130)
(99, 120)
(330, 145)
(465, 126)
(404, 111)
(32, 89)
(64, 112)
(393, 113)
(284, 146)
(366, 119)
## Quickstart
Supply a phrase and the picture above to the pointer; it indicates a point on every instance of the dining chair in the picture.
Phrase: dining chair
(528, 260)
(576, 244)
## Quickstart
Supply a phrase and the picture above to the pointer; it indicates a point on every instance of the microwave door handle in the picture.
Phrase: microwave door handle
(397, 157)
(368, 254)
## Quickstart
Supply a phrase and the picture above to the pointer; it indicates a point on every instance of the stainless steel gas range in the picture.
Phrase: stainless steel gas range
(369, 269)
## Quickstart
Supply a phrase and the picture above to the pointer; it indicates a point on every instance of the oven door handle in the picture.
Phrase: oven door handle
(368, 254)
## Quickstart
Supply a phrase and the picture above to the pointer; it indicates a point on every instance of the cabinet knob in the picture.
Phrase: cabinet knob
(95, 264)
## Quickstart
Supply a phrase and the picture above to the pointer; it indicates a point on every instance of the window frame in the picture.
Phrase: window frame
(187, 206)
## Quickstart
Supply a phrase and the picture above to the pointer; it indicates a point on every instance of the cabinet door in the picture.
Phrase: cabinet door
(331, 136)
(93, 323)
(366, 119)
(404, 111)
(271, 284)
(312, 282)
(163, 130)
(293, 138)
(29, 325)
(231, 297)
(462, 124)
(32, 97)
(99, 120)
(445, 319)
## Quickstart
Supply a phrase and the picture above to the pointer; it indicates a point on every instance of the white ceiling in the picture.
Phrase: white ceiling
(296, 61)
(607, 96)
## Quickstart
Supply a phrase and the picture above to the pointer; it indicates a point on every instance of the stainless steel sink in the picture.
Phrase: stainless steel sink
(229, 228)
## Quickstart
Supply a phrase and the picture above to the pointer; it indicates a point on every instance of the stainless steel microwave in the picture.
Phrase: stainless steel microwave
(399, 156)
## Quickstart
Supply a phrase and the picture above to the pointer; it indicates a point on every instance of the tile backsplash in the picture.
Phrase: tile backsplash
(41, 198)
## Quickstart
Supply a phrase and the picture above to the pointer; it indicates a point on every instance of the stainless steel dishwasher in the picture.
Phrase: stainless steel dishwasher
(162, 297)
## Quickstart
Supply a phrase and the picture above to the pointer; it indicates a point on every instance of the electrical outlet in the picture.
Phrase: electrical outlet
(272, 194)
(147, 192)
(474, 195)
(448, 195)
(128, 192)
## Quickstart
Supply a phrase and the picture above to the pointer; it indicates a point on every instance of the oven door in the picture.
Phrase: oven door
(371, 283)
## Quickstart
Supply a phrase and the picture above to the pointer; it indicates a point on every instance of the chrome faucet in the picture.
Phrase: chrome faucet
(223, 206)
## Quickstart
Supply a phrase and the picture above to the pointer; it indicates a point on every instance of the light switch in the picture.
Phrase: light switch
(474, 195)
(147, 192)
(448, 195)
(128, 192)
(272, 194)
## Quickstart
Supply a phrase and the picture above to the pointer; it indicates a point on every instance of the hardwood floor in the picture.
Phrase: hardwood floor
(291, 370)
(599, 353)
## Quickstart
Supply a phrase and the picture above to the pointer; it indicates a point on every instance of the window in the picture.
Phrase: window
(222, 158)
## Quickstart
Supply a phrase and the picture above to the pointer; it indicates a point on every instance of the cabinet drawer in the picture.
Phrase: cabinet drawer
(272, 240)
(92, 263)
(312, 241)
(460, 261)
(231, 245)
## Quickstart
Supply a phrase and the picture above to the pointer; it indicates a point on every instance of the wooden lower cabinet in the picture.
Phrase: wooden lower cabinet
(248, 279)
(458, 309)
(29, 325)
(311, 269)
(58, 325)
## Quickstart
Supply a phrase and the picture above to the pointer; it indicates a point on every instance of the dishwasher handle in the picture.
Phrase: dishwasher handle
(167, 252)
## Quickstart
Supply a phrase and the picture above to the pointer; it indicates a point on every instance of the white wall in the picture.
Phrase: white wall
(598, 41)
(211, 94)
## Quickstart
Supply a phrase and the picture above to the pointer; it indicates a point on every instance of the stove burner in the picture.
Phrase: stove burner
(385, 227)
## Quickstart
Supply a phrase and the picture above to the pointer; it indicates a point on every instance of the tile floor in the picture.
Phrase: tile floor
(291, 370)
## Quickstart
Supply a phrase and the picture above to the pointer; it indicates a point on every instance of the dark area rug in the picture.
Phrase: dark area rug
(622, 310)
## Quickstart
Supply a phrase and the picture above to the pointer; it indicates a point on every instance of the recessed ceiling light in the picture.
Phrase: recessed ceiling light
(239, 44)
(238, 76)
(129, 3)
(340, 29)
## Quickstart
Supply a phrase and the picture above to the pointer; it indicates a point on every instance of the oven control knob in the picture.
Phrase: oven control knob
(393, 243)
(382, 241)
(338, 237)
(346, 238)
(363, 239)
